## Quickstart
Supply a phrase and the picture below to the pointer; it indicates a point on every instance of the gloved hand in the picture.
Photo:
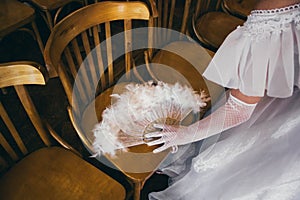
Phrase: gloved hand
(232, 113)
(170, 136)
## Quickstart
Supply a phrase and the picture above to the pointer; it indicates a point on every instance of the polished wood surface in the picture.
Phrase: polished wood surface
(76, 27)
(56, 173)
(20, 73)
(167, 12)
(186, 62)
(50, 10)
(13, 15)
(51, 5)
(139, 163)
(46, 172)
(78, 35)
(171, 15)
(212, 28)
(211, 25)
(239, 8)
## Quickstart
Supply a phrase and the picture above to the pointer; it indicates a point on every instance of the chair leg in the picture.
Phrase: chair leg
(49, 19)
(51, 71)
(138, 185)
(38, 36)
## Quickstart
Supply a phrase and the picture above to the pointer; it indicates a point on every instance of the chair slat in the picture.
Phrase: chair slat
(32, 113)
(158, 20)
(185, 16)
(70, 62)
(171, 15)
(9, 124)
(164, 14)
(151, 36)
(109, 53)
(68, 87)
(8, 148)
(170, 18)
(160, 11)
(73, 70)
(90, 61)
(98, 55)
(198, 8)
(81, 67)
(128, 46)
(218, 4)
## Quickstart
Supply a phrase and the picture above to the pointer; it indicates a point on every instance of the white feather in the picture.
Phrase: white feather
(138, 107)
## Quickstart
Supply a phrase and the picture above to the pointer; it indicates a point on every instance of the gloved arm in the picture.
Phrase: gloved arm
(232, 113)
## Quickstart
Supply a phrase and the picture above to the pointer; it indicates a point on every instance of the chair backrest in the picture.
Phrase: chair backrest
(17, 75)
(239, 8)
(172, 15)
(204, 6)
(78, 42)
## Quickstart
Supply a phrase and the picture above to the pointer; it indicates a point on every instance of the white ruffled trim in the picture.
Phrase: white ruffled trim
(261, 57)
(263, 23)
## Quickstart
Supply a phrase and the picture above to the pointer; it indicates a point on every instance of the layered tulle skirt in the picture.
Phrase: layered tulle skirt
(259, 159)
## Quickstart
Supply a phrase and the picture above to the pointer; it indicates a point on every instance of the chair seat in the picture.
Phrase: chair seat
(213, 27)
(139, 162)
(57, 168)
(239, 8)
(180, 56)
(140, 158)
(13, 15)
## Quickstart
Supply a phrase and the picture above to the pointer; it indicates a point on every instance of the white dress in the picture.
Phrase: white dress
(259, 159)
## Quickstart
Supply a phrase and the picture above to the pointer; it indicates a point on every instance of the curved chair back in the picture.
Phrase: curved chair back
(76, 36)
(83, 50)
(30, 166)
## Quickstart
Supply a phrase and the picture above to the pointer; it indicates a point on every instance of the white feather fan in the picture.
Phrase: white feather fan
(133, 113)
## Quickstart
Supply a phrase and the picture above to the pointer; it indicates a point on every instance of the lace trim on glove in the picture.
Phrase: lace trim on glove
(263, 23)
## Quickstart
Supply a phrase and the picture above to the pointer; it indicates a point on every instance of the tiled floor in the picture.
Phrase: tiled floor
(51, 102)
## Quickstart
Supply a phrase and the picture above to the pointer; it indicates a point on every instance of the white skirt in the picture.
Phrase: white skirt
(262, 56)
(259, 159)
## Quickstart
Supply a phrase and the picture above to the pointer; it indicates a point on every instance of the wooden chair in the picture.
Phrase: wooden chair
(50, 10)
(79, 35)
(239, 8)
(173, 14)
(210, 25)
(185, 59)
(16, 16)
(45, 171)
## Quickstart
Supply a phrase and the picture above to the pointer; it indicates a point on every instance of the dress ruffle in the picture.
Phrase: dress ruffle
(262, 56)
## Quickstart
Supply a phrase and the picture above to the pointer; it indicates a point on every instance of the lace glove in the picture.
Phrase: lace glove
(232, 113)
